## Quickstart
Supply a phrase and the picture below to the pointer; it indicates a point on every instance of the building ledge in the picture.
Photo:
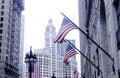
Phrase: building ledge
(10, 69)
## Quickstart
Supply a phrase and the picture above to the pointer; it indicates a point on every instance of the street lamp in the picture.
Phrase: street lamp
(30, 59)
(53, 75)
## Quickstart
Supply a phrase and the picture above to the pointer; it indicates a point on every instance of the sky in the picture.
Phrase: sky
(37, 14)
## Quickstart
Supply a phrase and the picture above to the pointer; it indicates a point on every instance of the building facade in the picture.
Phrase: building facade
(50, 58)
(100, 19)
(21, 46)
(10, 25)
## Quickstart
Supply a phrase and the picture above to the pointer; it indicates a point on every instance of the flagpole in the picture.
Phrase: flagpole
(91, 39)
(84, 56)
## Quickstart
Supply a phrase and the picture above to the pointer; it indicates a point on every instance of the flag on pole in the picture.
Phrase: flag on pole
(35, 71)
(75, 75)
(66, 26)
(70, 51)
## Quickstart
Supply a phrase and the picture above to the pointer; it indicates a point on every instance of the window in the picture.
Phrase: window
(0, 37)
(7, 52)
(0, 58)
(2, 12)
(6, 58)
(0, 31)
(118, 73)
(1, 25)
(118, 38)
(117, 4)
(3, 1)
(1, 19)
(2, 7)
(86, 4)
(0, 44)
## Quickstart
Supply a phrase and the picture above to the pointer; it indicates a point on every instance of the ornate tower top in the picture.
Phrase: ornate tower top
(50, 27)
(49, 33)
(50, 21)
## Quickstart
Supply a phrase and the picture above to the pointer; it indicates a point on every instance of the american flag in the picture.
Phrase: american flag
(70, 51)
(65, 28)
(75, 75)
(35, 71)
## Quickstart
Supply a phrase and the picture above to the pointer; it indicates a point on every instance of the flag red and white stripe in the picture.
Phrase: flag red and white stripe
(70, 51)
(75, 75)
(65, 28)
(35, 71)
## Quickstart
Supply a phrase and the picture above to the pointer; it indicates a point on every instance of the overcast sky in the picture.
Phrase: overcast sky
(37, 14)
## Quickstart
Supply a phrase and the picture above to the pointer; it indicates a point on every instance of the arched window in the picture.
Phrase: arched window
(117, 5)
(118, 73)
(103, 26)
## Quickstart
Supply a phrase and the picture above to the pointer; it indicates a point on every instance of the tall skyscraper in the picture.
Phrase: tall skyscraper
(57, 52)
(10, 28)
(100, 19)
(49, 43)
(50, 58)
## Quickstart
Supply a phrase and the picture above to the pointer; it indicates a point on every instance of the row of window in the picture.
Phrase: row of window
(2, 13)
(6, 58)
(43, 56)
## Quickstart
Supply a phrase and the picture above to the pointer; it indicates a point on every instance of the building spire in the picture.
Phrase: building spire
(30, 50)
(50, 21)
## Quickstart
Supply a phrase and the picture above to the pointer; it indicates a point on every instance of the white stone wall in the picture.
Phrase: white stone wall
(104, 33)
